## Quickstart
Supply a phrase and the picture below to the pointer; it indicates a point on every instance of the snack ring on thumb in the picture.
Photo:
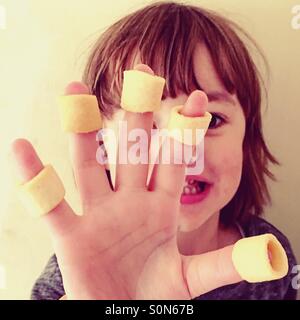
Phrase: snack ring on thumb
(79, 113)
(42, 193)
(141, 92)
(260, 258)
(187, 130)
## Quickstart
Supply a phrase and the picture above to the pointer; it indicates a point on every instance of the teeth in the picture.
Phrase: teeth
(186, 190)
(193, 187)
(191, 190)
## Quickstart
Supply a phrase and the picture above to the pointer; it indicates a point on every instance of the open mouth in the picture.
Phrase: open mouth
(194, 191)
(192, 187)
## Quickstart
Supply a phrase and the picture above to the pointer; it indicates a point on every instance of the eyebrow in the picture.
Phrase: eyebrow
(220, 96)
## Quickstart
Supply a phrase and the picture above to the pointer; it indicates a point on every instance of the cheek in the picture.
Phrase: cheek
(224, 165)
(230, 170)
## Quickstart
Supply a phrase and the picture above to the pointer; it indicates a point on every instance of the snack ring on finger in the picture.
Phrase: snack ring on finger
(186, 129)
(141, 92)
(80, 113)
(260, 258)
(42, 193)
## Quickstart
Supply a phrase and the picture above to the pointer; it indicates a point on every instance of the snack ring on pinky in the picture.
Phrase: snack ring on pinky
(141, 92)
(260, 258)
(42, 193)
(79, 113)
(184, 129)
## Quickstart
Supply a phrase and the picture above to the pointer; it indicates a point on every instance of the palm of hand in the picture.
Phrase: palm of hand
(124, 254)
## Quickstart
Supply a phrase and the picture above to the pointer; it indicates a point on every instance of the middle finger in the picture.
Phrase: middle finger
(133, 170)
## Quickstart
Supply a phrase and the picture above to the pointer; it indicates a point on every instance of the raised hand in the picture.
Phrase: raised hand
(124, 246)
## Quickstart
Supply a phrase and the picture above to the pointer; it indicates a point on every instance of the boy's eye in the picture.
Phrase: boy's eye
(216, 121)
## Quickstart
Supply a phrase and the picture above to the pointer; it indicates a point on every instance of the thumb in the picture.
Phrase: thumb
(209, 271)
(254, 259)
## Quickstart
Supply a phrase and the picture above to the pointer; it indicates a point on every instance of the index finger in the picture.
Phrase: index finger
(170, 177)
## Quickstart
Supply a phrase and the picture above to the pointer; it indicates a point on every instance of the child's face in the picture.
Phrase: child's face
(223, 154)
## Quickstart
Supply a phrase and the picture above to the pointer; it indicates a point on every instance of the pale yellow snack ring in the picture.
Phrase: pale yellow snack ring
(42, 193)
(251, 258)
(141, 92)
(79, 113)
(178, 123)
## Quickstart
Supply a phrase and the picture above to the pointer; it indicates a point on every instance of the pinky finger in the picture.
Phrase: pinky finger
(27, 165)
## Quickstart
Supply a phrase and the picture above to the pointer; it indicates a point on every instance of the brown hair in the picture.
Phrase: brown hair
(165, 35)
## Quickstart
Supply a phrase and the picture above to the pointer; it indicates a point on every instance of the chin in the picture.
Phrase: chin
(192, 217)
(201, 199)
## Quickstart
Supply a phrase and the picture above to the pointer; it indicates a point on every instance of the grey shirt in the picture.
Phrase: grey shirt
(49, 286)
